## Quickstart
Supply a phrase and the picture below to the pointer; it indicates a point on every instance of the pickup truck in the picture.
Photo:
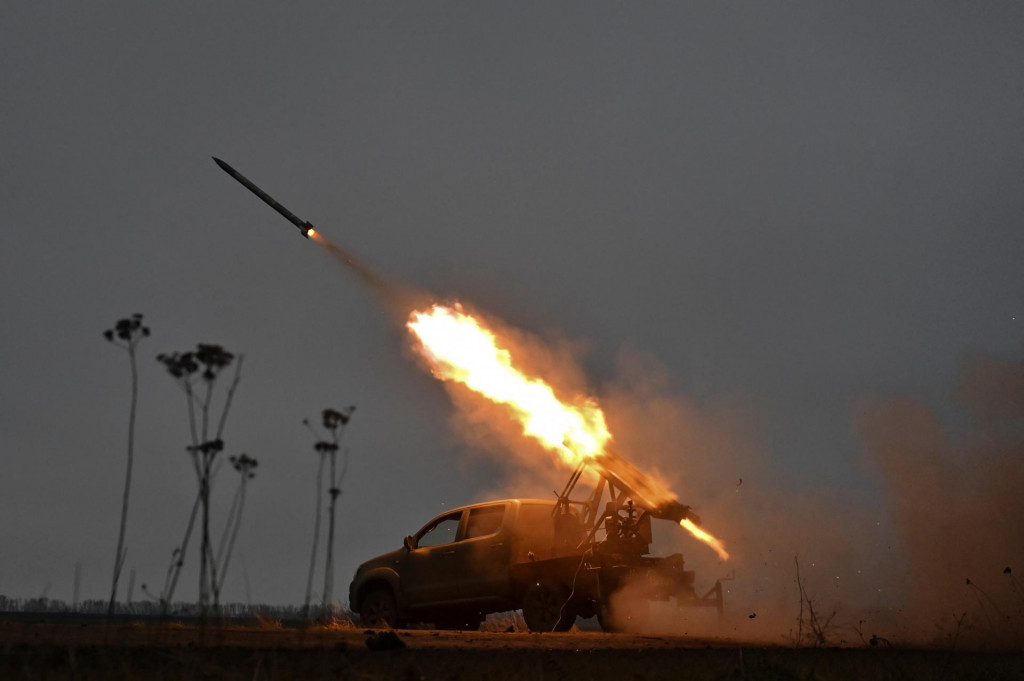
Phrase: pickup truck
(536, 555)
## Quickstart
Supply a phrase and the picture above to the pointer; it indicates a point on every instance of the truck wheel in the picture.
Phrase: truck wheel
(545, 608)
(379, 609)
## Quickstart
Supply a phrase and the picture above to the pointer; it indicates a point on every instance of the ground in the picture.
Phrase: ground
(133, 650)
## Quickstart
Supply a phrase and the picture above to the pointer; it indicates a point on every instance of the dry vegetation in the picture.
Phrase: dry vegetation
(338, 650)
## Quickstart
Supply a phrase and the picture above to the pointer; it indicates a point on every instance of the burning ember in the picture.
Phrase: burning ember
(460, 348)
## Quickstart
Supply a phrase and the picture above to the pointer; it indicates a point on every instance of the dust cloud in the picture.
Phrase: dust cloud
(715, 456)
(954, 489)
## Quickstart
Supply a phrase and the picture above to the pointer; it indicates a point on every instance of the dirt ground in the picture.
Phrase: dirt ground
(41, 650)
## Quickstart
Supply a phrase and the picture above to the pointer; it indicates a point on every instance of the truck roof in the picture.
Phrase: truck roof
(545, 502)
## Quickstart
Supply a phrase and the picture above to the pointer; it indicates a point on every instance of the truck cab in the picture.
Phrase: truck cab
(458, 567)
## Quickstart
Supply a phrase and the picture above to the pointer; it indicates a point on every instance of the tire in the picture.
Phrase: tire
(545, 608)
(379, 609)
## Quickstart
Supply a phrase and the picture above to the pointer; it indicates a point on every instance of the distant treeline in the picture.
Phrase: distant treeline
(150, 608)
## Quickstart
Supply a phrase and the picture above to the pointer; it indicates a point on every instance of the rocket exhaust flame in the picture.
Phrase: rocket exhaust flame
(460, 348)
(708, 539)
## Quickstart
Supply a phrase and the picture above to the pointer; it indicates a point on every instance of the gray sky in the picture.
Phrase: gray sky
(796, 206)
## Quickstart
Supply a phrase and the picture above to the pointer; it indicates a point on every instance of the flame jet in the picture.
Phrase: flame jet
(305, 227)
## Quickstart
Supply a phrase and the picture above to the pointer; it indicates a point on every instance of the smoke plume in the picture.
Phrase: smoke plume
(397, 299)
(955, 492)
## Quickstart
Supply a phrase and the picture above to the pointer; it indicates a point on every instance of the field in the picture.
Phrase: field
(132, 650)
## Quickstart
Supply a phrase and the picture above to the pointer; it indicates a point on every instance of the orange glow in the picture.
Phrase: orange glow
(460, 348)
(312, 234)
(700, 534)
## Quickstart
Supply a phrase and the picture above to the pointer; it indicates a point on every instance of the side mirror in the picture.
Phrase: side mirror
(407, 543)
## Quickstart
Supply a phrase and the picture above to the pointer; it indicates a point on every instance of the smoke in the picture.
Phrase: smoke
(715, 455)
(955, 492)
(928, 567)
(398, 299)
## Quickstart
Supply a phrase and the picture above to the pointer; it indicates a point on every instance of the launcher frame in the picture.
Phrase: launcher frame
(626, 520)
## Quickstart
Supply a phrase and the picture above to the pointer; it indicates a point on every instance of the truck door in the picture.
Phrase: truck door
(433, 571)
(486, 548)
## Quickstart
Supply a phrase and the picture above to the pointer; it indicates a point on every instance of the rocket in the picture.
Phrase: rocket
(305, 227)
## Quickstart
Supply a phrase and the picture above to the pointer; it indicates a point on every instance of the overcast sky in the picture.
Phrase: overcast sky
(794, 206)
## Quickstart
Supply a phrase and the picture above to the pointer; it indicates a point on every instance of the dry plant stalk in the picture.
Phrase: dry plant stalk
(126, 335)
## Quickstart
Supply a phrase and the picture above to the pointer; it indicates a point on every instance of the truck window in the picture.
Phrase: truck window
(484, 521)
(441, 532)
